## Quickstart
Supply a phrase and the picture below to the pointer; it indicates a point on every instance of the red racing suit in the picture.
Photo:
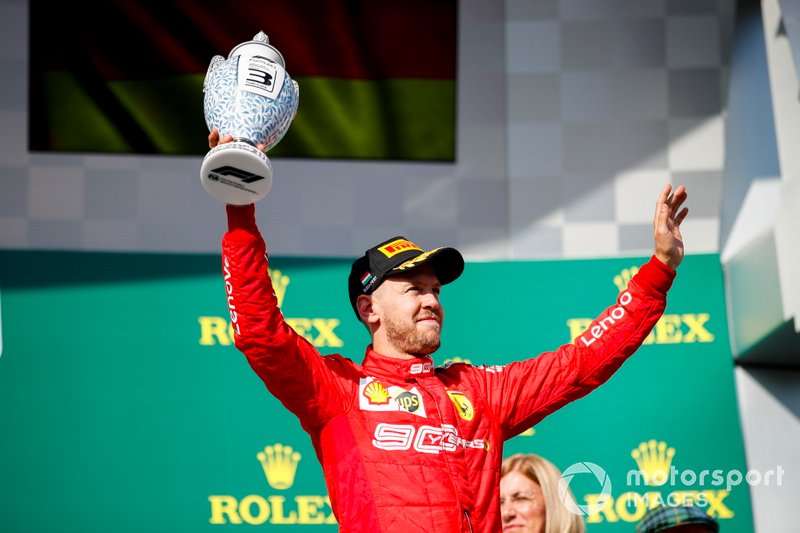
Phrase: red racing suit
(406, 446)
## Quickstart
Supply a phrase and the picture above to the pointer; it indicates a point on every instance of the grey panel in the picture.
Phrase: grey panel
(790, 13)
(14, 187)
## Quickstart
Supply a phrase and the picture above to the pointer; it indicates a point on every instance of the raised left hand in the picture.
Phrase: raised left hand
(667, 225)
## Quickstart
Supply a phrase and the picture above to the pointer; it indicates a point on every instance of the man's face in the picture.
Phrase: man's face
(409, 312)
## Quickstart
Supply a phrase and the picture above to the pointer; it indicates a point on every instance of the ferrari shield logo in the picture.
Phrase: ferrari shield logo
(463, 405)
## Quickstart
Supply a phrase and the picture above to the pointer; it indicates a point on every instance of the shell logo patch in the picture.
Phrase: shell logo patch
(374, 396)
(376, 393)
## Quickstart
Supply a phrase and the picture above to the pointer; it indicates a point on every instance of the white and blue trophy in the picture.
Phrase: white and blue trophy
(251, 97)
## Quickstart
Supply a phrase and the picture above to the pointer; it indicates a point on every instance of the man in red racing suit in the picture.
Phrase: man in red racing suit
(404, 445)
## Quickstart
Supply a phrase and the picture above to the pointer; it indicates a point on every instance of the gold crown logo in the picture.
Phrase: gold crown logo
(621, 280)
(456, 359)
(280, 465)
(279, 284)
(654, 460)
(377, 393)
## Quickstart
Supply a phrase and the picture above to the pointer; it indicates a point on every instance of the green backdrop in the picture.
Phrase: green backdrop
(124, 405)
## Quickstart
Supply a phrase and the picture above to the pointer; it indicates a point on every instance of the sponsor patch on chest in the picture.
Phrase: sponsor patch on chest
(375, 396)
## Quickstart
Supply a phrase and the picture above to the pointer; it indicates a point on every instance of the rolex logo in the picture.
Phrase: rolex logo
(280, 465)
(654, 460)
(621, 280)
(279, 283)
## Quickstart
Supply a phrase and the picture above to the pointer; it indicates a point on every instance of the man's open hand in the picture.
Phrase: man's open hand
(667, 225)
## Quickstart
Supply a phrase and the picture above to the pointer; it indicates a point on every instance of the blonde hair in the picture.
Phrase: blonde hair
(538, 469)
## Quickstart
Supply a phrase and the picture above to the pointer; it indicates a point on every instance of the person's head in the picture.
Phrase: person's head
(529, 501)
(394, 291)
(677, 519)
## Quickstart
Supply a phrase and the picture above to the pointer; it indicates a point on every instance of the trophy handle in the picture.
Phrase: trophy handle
(216, 61)
(296, 97)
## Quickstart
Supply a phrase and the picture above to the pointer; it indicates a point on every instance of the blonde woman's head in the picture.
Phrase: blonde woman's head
(529, 501)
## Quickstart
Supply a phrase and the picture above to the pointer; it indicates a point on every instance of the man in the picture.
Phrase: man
(406, 446)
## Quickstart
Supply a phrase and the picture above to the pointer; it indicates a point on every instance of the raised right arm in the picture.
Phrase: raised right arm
(292, 369)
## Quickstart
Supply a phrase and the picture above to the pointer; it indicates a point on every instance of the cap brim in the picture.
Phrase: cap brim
(447, 263)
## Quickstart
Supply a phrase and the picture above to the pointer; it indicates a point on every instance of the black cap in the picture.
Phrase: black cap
(397, 255)
(667, 517)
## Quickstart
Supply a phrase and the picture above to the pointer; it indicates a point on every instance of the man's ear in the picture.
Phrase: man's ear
(364, 307)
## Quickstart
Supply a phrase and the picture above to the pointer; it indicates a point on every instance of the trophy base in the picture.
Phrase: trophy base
(236, 173)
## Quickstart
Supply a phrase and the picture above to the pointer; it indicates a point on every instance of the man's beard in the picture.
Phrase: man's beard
(410, 340)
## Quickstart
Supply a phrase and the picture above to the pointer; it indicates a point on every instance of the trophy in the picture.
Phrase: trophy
(251, 97)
